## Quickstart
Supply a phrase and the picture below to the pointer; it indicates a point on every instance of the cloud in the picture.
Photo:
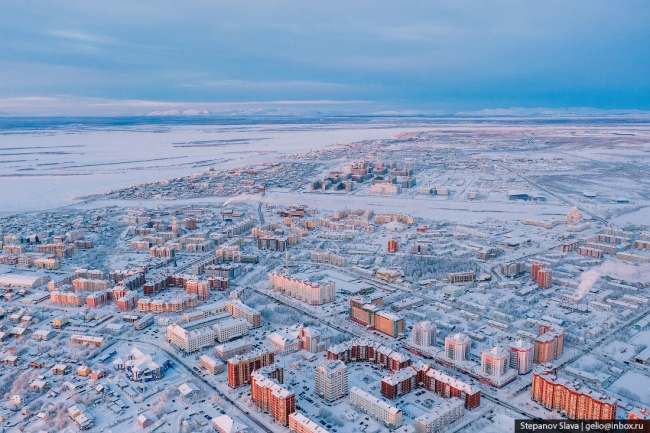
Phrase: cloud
(267, 85)
(70, 105)
(440, 55)
(77, 36)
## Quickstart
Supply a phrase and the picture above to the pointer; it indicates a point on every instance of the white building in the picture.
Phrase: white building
(423, 334)
(440, 416)
(225, 424)
(371, 405)
(229, 329)
(385, 189)
(285, 342)
(238, 309)
(457, 347)
(494, 362)
(331, 380)
(190, 341)
(214, 366)
(521, 356)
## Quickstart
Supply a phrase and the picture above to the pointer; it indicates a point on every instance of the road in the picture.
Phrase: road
(559, 197)
(245, 411)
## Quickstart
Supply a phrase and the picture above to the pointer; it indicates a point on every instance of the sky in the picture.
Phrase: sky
(143, 57)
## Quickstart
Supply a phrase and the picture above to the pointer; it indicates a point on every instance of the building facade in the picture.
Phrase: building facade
(521, 356)
(331, 380)
(570, 398)
(229, 329)
(494, 362)
(240, 367)
(303, 290)
(190, 341)
(457, 347)
(423, 334)
(271, 397)
(389, 415)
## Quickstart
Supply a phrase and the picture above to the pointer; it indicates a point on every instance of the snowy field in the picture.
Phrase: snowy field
(42, 169)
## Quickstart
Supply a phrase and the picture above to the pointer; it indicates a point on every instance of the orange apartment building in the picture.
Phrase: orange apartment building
(271, 397)
(570, 398)
(240, 367)
(549, 344)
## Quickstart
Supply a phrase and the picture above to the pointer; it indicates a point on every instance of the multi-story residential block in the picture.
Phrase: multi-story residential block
(574, 400)
(303, 290)
(240, 367)
(389, 415)
(88, 339)
(545, 278)
(521, 356)
(299, 423)
(270, 396)
(399, 383)
(513, 269)
(200, 288)
(457, 347)
(440, 416)
(361, 350)
(97, 299)
(238, 309)
(385, 189)
(128, 301)
(448, 387)
(237, 347)
(190, 341)
(331, 380)
(230, 329)
(328, 257)
(549, 344)
(389, 323)
(363, 310)
(639, 413)
(214, 366)
(423, 334)
(494, 362)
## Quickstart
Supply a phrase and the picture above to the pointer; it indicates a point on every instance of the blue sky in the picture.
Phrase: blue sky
(423, 56)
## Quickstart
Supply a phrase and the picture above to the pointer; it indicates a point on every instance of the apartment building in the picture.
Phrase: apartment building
(389, 323)
(423, 334)
(389, 415)
(299, 423)
(494, 361)
(190, 341)
(440, 416)
(521, 356)
(230, 329)
(303, 290)
(228, 350)
(457, 347)
(240, 367)
(212, 365)
(240, 310)
(361, 350)
(549, 344)
(331, 380)
(574, 400)
(271, 397)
